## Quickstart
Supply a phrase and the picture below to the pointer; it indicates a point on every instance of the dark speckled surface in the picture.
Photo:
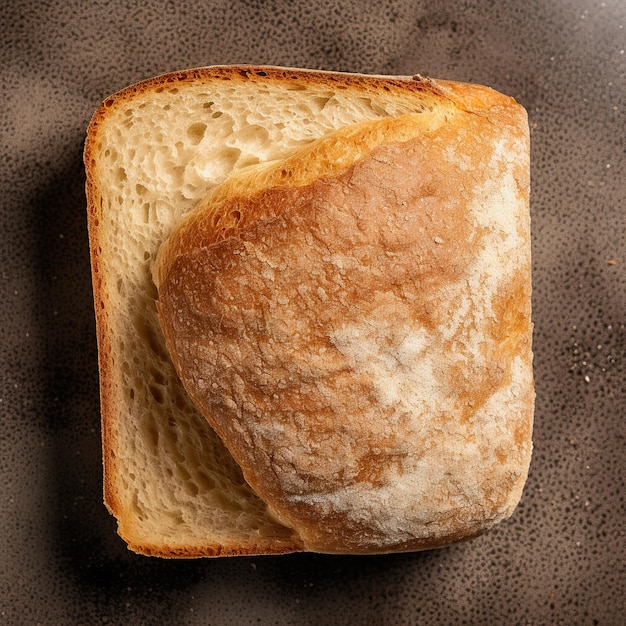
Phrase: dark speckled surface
(560, 559)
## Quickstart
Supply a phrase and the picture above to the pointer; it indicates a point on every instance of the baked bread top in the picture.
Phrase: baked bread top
(353, 319)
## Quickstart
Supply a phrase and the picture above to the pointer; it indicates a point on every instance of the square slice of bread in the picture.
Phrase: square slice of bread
(154, 152)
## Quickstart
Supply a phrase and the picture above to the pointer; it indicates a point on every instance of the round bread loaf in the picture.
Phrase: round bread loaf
(354, 322)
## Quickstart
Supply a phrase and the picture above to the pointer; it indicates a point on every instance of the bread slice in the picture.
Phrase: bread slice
(242, 151)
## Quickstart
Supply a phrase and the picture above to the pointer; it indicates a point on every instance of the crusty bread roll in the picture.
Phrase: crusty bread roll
(343, 290)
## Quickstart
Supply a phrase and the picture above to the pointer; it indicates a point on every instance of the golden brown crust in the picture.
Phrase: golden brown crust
(209, 550)
(307, 310)
(94, 216)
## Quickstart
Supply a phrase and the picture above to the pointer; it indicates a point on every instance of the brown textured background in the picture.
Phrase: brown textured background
(560, 559)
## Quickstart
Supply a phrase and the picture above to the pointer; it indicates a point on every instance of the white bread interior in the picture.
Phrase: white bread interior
(154, 151)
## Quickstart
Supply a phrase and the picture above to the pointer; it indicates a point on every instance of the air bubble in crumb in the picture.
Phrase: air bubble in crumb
(195, 133)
